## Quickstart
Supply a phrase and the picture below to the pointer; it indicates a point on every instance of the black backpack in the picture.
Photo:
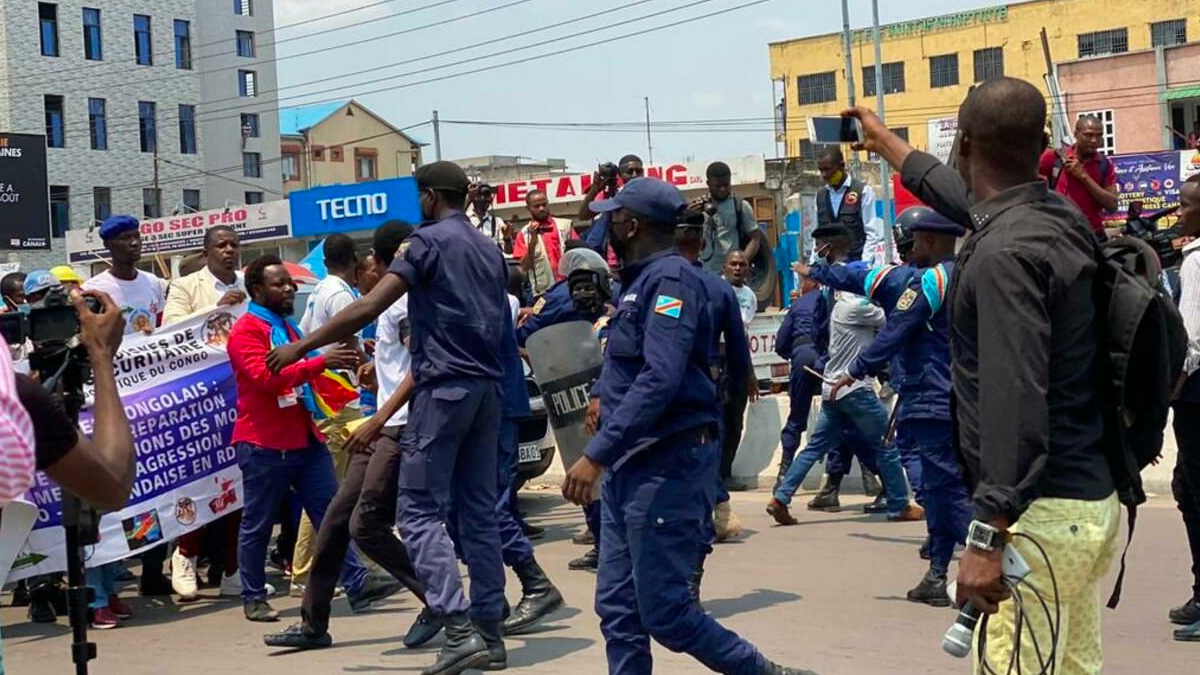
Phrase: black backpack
(1142, 347)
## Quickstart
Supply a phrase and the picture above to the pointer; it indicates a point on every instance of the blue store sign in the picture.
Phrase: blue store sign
(349, 208)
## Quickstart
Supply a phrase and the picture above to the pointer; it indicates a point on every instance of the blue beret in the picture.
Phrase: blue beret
(934, 222)
(114, 225)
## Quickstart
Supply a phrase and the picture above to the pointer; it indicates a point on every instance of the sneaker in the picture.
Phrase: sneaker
(931, 591)
(725, 522)
(1186, 614)
(119, 609)
(294, 637)
(231, 587)
(424, 629)
(295, 590)
(103, 619)
(373, 591)
(183, 576)
(589, 561)
(1188, 634)
(259, 610)
(585, 538)
(910, 513)
(779, 511)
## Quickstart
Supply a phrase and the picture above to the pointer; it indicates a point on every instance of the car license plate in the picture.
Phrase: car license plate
(529, 453)
(781, 369)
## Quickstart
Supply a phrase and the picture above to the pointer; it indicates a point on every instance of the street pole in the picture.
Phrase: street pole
(649, 145)
(437, 137)
(846, 46)
(885, 178)
(157, 194)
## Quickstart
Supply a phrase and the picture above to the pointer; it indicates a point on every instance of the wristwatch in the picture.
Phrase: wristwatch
(985, 537)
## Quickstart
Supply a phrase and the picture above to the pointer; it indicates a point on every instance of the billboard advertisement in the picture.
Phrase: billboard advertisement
(353, 207)
(24, 201)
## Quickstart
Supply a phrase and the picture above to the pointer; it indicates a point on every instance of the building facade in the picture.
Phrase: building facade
(504, 168)
(132, 95)
(339, 143)
(929, 64)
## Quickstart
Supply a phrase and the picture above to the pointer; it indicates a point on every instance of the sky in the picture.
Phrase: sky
(712, 68)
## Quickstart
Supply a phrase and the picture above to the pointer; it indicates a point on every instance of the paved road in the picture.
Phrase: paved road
(825, 595)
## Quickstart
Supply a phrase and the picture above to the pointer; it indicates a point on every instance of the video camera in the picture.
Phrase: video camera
(51, 321)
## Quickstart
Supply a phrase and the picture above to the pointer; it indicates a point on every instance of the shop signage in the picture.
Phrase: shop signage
(24, 202)
(353, 207)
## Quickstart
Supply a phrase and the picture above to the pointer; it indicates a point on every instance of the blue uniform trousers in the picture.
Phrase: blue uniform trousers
(947, 506)
(448, 448)
(802, 387)
(860, 409)
(266, 476)
(591, 513)
(514, 545)
(653, 518)
(912, 459)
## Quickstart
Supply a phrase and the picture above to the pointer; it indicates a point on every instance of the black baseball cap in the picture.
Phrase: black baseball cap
(442, 176)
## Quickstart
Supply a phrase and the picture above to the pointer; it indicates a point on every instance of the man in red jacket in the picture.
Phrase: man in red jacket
(277, 442)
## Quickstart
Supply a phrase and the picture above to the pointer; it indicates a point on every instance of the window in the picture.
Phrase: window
(247, 82)
(142, 45)
(902, 132)
(101, 203)
(943, 71)
(48, 25)
(818, 88)
(245, 43)
(809, 150)
(989, 63)
(318, 153)
(254, 198)
(1110, 130)
(148, 126)
(249, 125)
(187, 129)
(1114, 41)
(364, 165)
(60, 210)
(243, 8)
(1168, 33)
(98, 123)
(252, 164)
(183, 45)
(290, 165)
(56, 132)
(336, 154)
(93, 49)
(191, 200)
(893, 79)
(151, 203)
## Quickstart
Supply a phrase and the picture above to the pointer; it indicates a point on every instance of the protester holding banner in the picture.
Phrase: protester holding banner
(278, 443)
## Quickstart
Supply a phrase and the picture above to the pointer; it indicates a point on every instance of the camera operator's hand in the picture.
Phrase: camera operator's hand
(232, 298)
(100, 333)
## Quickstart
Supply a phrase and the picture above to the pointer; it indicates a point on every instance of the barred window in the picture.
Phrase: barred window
(818, 88)
(989, 63)
(893, 78)
(943, 71)
(1168, 33)
(1114, 41)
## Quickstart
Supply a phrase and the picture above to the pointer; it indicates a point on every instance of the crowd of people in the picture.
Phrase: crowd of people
(386, 417)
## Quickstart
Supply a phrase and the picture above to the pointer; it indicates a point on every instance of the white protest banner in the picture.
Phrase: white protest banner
(941, 134)
(178, 392)
(185, 232)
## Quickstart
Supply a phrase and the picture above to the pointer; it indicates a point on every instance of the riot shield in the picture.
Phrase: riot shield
(566, 360)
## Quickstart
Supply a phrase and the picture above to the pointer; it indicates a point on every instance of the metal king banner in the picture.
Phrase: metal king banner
(178, 391)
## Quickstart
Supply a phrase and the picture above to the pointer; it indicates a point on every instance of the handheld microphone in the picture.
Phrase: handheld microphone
(957, 640)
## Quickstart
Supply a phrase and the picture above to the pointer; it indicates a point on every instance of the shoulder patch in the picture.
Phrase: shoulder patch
(539, 305)
(934, 283)
(851, 198)
(404, 245)
(668, 306)
(906, 300)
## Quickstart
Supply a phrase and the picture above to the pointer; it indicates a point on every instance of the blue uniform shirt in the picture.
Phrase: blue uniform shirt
(799, 336)
(457, 303)
(554, 307)
(727, 323)
(656, 380)
(516, 396)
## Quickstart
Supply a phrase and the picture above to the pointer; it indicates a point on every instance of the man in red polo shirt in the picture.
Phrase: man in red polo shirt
(1083, 174)
(277, 442)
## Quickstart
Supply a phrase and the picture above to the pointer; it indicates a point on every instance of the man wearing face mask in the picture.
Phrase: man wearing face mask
(848, 201)
(657, 448)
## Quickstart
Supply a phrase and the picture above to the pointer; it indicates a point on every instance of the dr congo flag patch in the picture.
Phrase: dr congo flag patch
(668, 306)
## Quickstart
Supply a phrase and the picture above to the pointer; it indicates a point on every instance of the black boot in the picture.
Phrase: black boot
(464, 648)
(877, 506)
(932, 589)
(827, 498)
(587, 561)
(492, 637)
(41, 604)
(771, 668)
(925, 548)
(539, 597)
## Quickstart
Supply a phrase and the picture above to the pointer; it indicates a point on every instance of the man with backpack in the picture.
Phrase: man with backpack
(1186, 481)
(1025, 351)
(1083, 173)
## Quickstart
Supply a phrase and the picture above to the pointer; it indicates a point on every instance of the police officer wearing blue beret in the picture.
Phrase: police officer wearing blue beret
(657, 448)
(917, 339)
(458, 311)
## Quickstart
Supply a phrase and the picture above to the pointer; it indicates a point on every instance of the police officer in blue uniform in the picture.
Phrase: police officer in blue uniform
(657, 448)
(458, 310)
(916, 339)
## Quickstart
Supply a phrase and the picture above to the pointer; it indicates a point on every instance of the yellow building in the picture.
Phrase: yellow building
(928, 64)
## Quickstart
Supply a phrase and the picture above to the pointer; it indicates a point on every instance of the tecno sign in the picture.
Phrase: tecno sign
(354, 206)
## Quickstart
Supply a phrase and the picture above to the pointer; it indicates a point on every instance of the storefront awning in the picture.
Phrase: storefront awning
(1181, 93)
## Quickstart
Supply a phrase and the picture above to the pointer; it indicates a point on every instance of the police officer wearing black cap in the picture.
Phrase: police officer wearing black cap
(458, 310)
(657, 448)
(917, 340)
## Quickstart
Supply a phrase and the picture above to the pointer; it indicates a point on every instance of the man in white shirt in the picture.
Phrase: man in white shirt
(850, 202)
(479, 210)
(737, 268)
(140, 295)
(333, 294)
(217, 283)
